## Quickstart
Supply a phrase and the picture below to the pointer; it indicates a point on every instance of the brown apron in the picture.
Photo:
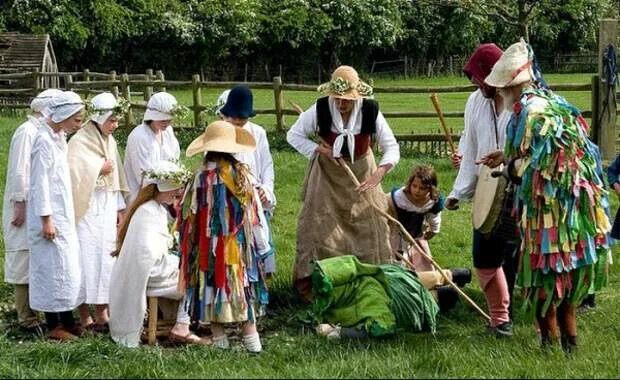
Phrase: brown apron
(335, 220)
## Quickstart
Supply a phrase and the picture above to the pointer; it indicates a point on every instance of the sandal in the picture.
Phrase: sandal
(190, 338)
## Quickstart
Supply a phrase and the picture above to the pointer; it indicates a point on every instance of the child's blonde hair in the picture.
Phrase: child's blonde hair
(427, 176)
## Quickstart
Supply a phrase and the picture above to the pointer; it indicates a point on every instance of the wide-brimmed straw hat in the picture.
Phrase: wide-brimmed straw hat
(513, 68)
(221, 136)
(346, 84)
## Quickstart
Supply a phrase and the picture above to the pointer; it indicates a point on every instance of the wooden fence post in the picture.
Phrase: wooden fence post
(160, 77)
(594, 127)
(277, 94)
(86, 78)
(114, 88)
(406, 67)
(36, 82)
(148, 90)
(125, 88)
(197, 96)
(608, 35)
(69, 82)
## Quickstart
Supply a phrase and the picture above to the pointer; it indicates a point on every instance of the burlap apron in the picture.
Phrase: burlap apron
(335, 220)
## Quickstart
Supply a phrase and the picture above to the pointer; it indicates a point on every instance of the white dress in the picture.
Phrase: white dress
(143, 151)
(16, 190)
(260, 162)
(96, 231)
(55, 276)
(143, 268)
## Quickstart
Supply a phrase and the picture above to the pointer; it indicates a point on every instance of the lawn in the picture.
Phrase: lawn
(460, 348)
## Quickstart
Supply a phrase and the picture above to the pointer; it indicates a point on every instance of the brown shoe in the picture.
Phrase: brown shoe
(190, 338)
(61, 334)
(76, 330)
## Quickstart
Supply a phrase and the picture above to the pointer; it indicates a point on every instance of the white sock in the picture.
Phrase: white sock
(221, 342)
(252, 342)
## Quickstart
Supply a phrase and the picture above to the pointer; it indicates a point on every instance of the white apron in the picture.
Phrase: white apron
(55, 278)
(96, 232)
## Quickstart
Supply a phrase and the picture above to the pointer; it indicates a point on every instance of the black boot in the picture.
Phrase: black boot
(461, 276)
(569, 343)
(447, 297)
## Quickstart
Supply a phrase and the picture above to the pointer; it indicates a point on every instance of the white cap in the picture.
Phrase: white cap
(63, 106)
(103, 106)
(159, 107)
(221, 101)
(42, 101)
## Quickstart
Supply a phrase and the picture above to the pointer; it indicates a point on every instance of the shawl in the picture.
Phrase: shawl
(88, 150)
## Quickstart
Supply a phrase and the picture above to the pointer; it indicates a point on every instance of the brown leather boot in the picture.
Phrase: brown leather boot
(61, 334)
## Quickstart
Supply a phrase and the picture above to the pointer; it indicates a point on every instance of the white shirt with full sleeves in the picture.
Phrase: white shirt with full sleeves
(260, 162)
(55, 274)
(16, 190)
(306, 125)
(478, 139)
(144, 150)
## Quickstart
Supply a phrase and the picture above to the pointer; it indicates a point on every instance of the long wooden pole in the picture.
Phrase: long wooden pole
(406, 234)
(442, 121)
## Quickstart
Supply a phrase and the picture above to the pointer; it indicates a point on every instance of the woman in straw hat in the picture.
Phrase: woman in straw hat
(334, 218)
(14, 209)
(144, 265)
(152, 141)
(99, 191)
(55, 278)
(561, 197)
(223, 237)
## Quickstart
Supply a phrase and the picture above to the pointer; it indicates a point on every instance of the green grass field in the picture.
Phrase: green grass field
(461, 347)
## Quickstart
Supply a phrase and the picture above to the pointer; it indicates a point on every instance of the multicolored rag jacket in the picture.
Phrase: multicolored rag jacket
(562, 201)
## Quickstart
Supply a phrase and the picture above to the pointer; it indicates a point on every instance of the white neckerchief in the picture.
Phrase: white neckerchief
(354, 124)
(401, 200)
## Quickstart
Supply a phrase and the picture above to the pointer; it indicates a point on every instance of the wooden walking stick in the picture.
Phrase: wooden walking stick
(296, 107)
(442, 121)
(411, 240)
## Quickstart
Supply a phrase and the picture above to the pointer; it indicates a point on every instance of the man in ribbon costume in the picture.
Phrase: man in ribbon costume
(335, 218)
(561, 199)
(99, 188)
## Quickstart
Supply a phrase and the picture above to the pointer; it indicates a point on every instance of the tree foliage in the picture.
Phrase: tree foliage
(182, 36)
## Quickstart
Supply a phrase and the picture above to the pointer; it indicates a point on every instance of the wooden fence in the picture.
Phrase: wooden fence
(603, 112)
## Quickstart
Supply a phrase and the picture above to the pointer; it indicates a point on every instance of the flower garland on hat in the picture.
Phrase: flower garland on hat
(342, 86)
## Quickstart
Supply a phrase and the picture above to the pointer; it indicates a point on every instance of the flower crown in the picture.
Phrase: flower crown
(180, 175)
(121, 108)
(341, 86)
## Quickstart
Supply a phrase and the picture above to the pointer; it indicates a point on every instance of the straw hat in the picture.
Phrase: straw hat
(513, 68)
(346, 84)
(221, 136)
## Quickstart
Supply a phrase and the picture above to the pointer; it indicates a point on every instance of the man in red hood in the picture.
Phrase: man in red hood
(484, 133)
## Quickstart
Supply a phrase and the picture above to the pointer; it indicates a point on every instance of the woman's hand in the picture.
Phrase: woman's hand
(374, 179)
(19, 214)
(107, 168)
(48, 230)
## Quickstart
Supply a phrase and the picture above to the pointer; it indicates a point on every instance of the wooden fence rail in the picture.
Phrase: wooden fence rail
(91, 83)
